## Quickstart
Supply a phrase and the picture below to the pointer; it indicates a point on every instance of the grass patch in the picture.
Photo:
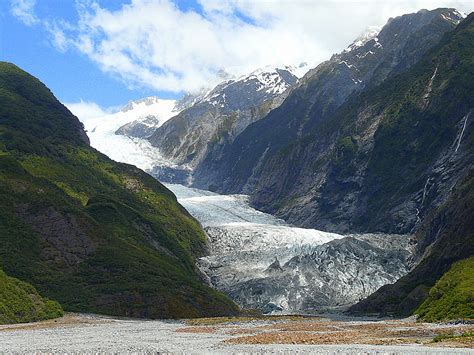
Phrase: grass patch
(443, 337)
(452, 297)
(21, 303)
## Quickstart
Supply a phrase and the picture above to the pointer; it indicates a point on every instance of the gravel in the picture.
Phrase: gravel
(95, 334)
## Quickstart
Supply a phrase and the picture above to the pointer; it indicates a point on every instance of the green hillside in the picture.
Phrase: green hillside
(20, 302)
(452, 297)
(96, 235)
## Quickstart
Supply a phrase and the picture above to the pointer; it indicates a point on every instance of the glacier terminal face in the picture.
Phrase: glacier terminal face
(262, 262)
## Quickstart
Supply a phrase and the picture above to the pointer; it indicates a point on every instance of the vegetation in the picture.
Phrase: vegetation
(20, 302)
(443, 337)
(96, 235)
(242, 319)
(452, 297)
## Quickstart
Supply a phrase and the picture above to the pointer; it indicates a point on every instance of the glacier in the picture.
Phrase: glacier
(130, 150)
(264, 263)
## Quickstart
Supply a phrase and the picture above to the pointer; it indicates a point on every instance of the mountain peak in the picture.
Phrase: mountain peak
(370, 33)
(146, 101)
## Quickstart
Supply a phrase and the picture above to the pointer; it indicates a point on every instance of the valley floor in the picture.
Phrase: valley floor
(92, 333)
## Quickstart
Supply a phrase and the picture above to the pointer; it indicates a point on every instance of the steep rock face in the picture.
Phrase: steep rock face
(93, 234)
(449, 233)
(213, 121)
(266, 159)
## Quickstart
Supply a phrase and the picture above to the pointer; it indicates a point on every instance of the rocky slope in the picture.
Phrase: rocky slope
(295, 161)
(96, 235)
(213, 120)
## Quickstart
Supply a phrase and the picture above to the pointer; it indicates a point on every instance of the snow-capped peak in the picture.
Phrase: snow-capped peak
(147, 107)
(370, 33)
(271, 79)
(300, 70)
(453, 15)
(189, 99)
(146, 101)
(460, 14)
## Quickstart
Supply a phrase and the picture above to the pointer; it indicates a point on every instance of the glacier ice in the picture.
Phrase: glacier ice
(262, 262)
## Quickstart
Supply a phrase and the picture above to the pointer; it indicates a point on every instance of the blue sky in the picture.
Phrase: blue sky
(108, 52)
(70, 75)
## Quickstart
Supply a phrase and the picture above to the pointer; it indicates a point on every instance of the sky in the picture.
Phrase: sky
(96, 55)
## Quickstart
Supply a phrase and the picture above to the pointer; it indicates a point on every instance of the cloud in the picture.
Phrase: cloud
(24, 11)
(158, 45)
(86, 110)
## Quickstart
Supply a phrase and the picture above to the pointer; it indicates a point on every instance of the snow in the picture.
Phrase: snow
(370, 33)
(268, 78)
(454, 17)
(139, 152)
(149, 106)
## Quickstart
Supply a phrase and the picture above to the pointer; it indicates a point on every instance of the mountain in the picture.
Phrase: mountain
(213, 120)
(377, 139)
(21, 303)
(283, 160)
(95, 235)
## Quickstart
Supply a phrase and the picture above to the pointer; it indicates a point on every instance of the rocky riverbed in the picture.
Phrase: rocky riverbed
(284, 334)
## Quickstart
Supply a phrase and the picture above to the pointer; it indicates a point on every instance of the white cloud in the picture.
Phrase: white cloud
(155, 44)
(86, 110)
(24, 11)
